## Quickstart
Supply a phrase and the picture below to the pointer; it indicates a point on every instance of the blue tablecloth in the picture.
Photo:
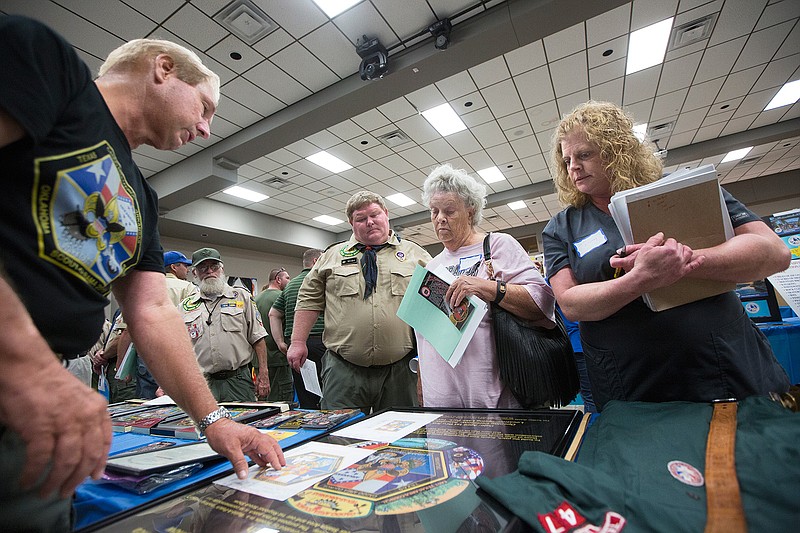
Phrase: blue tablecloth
(96, 500)
(785, 341)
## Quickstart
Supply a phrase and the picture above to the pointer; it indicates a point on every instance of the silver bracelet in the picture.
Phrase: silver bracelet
(212, 417)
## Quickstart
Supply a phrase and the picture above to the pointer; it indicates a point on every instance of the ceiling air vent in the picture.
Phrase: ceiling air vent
(658, 131)
(749, 161)
(393, 139)
(692, 32)
(246, 20)
(277, 183)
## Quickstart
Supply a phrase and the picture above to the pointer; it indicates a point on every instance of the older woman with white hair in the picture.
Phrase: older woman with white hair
(456, 203)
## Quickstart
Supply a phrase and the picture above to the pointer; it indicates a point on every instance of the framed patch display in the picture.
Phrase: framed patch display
(421, 481)
(759, 301)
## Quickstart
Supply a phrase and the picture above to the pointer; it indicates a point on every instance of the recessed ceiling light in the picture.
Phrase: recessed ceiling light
(325, 219)
(640, 131)
(444, 119)
(334, 7)
(245, 194)
(491, 175)
(329, 162)
(400, 199)
(519, 204)
(788, 94)
(736, 154)
(647, 46)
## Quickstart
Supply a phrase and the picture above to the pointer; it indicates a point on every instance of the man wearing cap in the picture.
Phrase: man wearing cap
(226, 330)
(176, 266)
(280, 374)
(359, 285)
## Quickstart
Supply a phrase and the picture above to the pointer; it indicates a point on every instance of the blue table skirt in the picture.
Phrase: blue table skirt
(785, 341)
(96, 500)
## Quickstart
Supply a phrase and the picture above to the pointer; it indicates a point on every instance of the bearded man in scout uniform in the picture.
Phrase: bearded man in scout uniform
(359, 285)
(226, 329)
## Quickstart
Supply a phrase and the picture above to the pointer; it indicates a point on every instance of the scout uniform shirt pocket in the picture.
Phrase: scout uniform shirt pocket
(346, 281)
(231, 317)
(401, 276)
(194, 324)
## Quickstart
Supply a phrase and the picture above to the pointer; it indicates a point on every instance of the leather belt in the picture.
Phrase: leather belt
(225, 374)
(724, 502)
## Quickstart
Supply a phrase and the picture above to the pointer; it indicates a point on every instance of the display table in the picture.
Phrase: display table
(98, 500)
(785, 341)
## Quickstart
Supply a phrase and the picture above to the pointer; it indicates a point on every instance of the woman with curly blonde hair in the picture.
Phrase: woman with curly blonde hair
(700, 351)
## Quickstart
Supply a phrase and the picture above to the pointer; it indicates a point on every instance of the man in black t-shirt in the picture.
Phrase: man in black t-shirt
(78, 220)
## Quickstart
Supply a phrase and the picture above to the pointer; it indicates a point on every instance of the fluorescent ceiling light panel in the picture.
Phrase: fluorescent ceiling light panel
(325, 219)
(646, 47)
(640, 131)
(329, 162)
(444, 119)
(491, 175)
(736, 154)
(400, 199)
(519, 204)
(334, 7)
(245, 194)
(788, 94)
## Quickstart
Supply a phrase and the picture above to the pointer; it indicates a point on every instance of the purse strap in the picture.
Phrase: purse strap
(487, 256)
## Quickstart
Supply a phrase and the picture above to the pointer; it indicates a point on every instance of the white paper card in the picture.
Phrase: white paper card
(387, 427)
(305, 465)
(309, 373)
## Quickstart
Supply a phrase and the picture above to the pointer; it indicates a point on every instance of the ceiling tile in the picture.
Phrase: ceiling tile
(489, 72)
(273, 42)
(526, 147)
(569, 74)
(363, 19)
(640, 110)
(543, 116)
(298, 17)
(192, 25)
(489, 134)
(739, 83)
(514, 119)
(647, 12)
(679, 73)
(690, 121)
(359, 177)
(610, 91)
(668, 105)
(737, 18)
(346, 130)
(302, 148)
(378, 151)
(791, 45)
(517, 132)
(155, 9)
(718, 60)
(641, 85)
(235, 112)
(755, 102)
(702, 94)
(477, 117)
(502, 154)
(468, 104)
(778, 72)
(565, 42)
(608, 51)
(456, 85)
(464, 142)
(250, 96)
(397, 109)
(276, 82)
(689, 13)
(396, 164)
(608, 25)
(418, 157)
(607, 72)
(440, 150)
(426, 98)
(526, 58)
(418, 129)
(115, 16)
(534, 86)
(725, 106)
(323, 139)
(347, 153)
(480, 160)
(738, 124)
(305, 67)
(333, 49)
(762, 45)
(231, 45)
(502, 98)
(406, 18)
(371, 120)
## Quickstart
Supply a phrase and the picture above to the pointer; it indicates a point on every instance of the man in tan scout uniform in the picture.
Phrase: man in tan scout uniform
(359, 285)
(226, 329)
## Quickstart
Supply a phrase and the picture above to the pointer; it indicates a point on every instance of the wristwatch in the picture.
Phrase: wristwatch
(212, 417)
(501, 292)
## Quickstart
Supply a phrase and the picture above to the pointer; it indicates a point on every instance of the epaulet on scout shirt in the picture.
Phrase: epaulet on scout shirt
(332, 245)
(187, 304)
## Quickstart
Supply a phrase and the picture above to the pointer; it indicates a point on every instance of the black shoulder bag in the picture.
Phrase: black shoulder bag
(536, 363)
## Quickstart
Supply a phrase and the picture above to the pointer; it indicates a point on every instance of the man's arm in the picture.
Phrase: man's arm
(276, 326)
(298, 350)
(161, 338)
(262, 380)
(74, 442)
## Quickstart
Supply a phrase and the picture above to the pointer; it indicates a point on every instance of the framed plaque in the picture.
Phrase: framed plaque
(422, 481)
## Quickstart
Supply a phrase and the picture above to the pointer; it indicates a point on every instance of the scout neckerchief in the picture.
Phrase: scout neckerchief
(369, 265)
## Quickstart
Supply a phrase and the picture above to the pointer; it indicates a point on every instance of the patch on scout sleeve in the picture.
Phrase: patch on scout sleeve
(685, 473)
(400, 256)
(188, 305)
(195, 330)
(562, 518)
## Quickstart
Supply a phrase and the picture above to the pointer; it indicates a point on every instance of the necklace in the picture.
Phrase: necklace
(210, 311)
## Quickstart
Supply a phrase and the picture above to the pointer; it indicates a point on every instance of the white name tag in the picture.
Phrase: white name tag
(587, 244)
